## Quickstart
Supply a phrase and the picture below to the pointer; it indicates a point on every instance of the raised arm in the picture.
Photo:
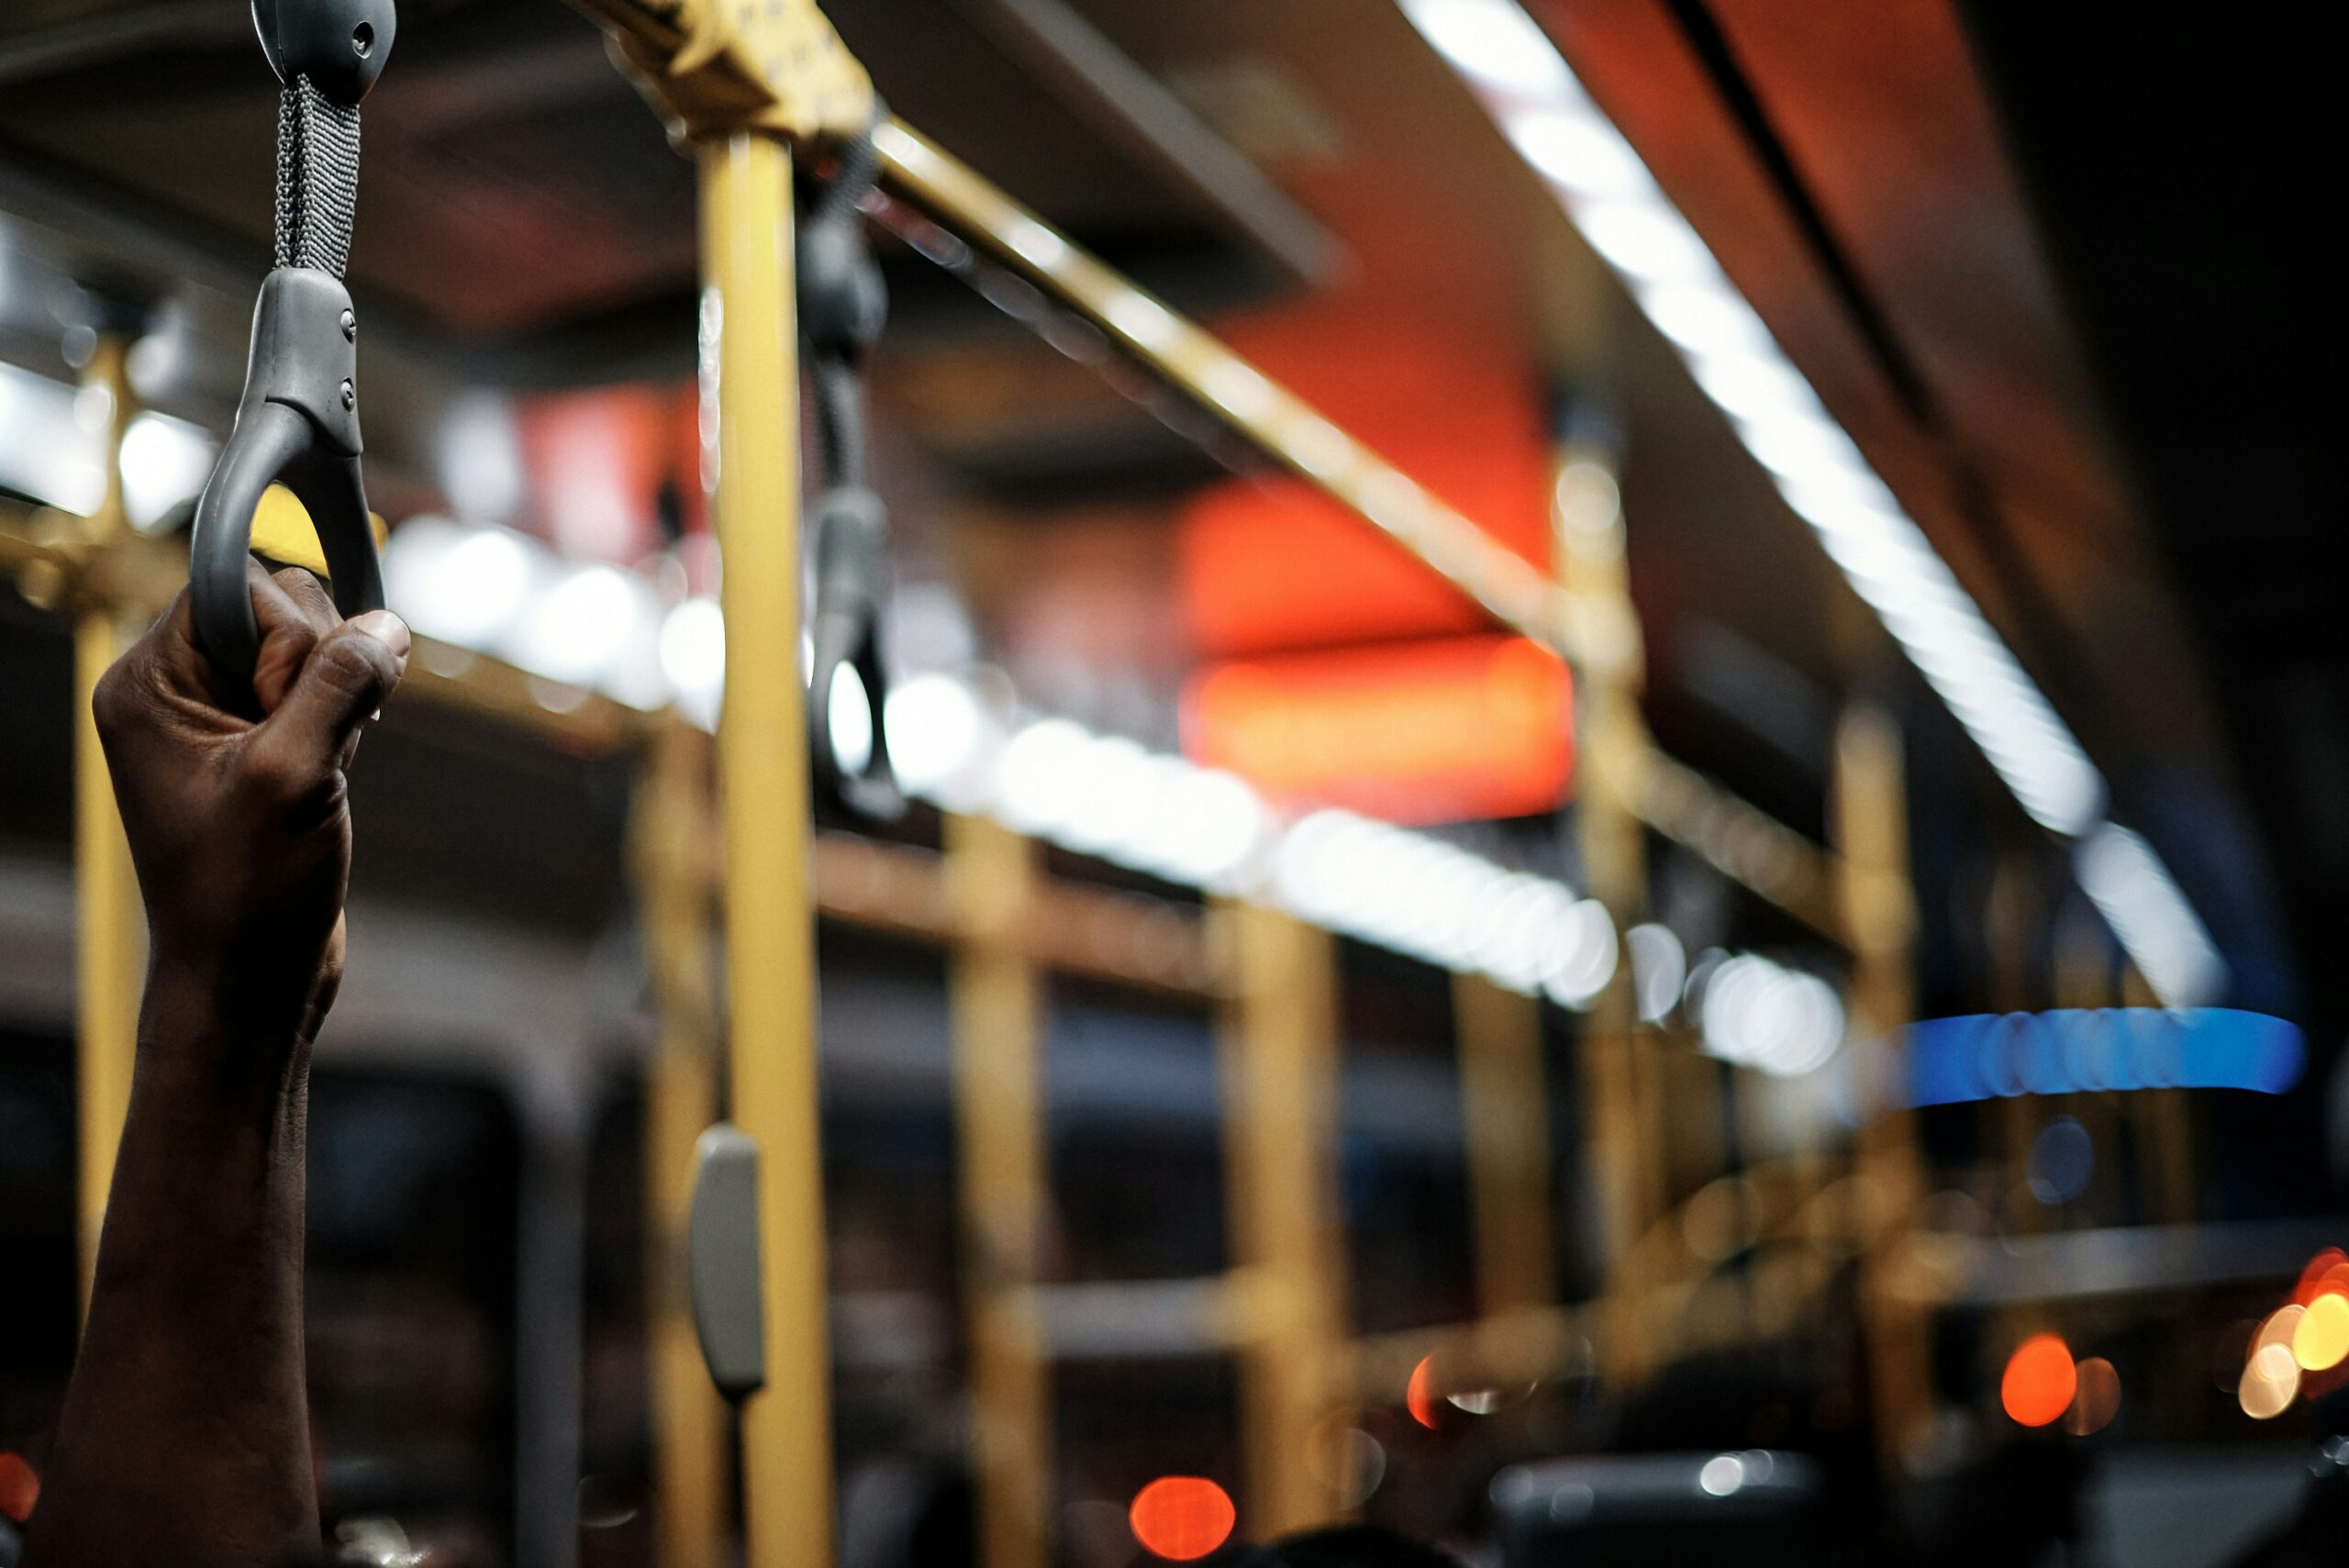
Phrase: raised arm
(185, 1434)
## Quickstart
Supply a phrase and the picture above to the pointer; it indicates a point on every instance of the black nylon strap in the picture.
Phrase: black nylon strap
(842, 305)
(318, 178)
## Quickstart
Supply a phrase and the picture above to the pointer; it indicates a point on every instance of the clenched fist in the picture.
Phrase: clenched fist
(234, 798)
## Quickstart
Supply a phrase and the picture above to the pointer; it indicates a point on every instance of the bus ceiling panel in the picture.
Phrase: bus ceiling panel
(1888, 126)
(2180, 179)
(1941, 345)
(519, 195)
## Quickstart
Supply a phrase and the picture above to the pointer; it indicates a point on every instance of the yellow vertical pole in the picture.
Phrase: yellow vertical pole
(1504, 1096)
(764, 809)
(112, 927)
(673, 835)
(999, 1124)
(1279, 1064)
(1871, 821)
(1622, 1108)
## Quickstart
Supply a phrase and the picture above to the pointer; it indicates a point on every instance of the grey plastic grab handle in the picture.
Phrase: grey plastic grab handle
(297, 425)
(722, 1260)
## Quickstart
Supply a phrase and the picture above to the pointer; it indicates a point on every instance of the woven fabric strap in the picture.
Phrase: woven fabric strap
(318, 178)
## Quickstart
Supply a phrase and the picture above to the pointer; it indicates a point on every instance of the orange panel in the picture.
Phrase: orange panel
(1447, 730)
(1271, 564)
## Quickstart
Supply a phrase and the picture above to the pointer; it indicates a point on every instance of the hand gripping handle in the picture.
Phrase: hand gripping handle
(297, 425)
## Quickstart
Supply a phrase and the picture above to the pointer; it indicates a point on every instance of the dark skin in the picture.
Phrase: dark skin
(184, 1436)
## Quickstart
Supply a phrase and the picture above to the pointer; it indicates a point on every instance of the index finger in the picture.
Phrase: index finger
(293, 613)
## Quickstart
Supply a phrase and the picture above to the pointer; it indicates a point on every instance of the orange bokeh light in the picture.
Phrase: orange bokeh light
(1433, 731)
(2040, 1381)
(1422, 1397)
(20, 1487)
(1181, 1518)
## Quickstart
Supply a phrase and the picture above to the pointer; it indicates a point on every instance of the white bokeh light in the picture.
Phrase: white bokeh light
(693, 658)
(577, 627)
(462, 585)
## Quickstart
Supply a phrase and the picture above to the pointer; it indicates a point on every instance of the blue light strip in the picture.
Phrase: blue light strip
(2071, 1050)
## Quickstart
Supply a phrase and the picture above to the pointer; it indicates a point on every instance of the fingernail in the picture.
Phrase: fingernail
(386, 629)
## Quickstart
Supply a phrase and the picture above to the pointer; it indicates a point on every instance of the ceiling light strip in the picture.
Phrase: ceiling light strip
(1518, 73)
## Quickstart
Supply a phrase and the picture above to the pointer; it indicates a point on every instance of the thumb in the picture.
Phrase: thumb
(347, 677)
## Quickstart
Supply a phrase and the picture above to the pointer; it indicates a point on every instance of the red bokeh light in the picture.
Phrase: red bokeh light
(2039, 1382)
(1181, 1518)
(2327, 1274)
(20, 1487)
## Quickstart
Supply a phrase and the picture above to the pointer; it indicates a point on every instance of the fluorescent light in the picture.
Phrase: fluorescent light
(1526, 85)
(1645, 241)
(1578, 150)
(1497, 44)
(2131, 888)
(1714, 323)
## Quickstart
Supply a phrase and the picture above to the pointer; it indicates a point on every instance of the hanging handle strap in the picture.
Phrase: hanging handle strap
(297, 423)
(842, 306)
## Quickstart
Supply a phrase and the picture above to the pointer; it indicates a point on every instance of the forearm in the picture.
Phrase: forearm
(184, 1436)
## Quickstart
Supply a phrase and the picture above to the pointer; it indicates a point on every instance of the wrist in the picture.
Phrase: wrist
(208, 1032)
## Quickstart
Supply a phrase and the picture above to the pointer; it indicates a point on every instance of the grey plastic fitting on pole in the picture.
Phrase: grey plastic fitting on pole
(297, 423)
